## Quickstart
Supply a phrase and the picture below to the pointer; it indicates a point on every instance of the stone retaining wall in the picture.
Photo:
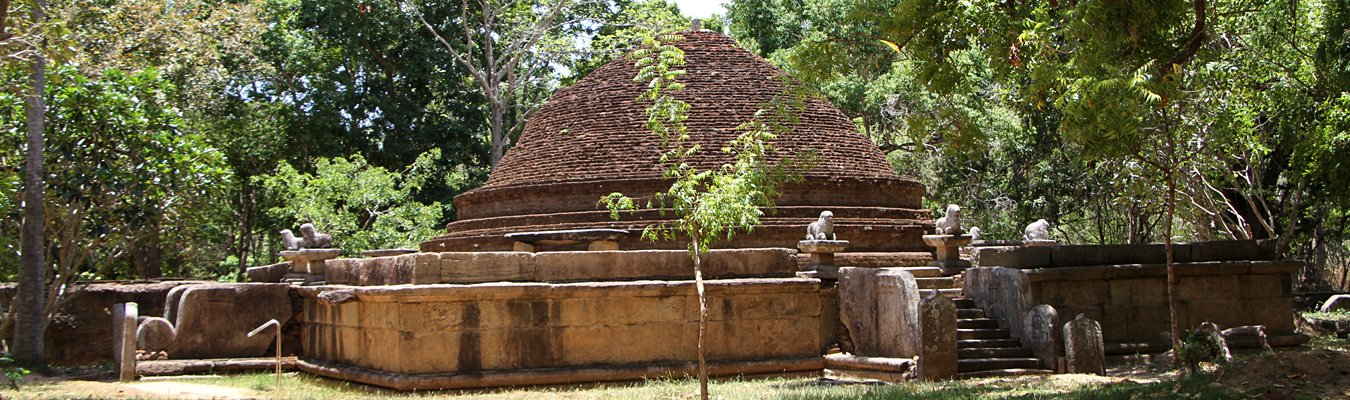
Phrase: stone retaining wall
(401, 333)
(1124, 287)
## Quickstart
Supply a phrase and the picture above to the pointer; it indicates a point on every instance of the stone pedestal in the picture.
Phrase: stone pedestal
(124, 340)
(310, 263)
(948, 252)
(822, 257)
(1039, 242)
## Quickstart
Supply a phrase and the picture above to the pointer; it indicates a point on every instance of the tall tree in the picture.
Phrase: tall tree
(30, 321)
(508, 47)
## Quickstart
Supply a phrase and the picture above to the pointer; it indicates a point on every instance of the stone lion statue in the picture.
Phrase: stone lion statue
(950, 223)
(974, 233)
(289, 241)
(822, 229)
(315, 239)
(1039, 230)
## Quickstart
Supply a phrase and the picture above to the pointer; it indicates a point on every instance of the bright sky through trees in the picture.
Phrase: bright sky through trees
(701, 8)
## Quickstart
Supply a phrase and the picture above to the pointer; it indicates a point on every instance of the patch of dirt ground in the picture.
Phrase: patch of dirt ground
(1291, 374)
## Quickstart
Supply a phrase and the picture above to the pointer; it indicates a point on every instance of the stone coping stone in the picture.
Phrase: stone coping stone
(947, 240)
(310, 254)
(822, 246)
(561, 266)
(535, 290)
(569, 236)
(1127, 271)
(560, 376)
(387, 252)
(1026, 256)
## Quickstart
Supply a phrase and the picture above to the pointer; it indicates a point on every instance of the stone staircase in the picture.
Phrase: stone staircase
(986, 349)
(929, 278)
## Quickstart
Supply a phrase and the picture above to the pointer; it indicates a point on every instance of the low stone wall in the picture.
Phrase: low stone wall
(1124, 287)
(562, 266)
(442, 336)
(1130, 301)
(81, 332)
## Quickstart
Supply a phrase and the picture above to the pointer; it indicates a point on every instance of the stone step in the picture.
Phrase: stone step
(977, 323)
(950, 293)
(1003, 372)
(925, 272)
(935, 283)
(964, 302)
(986, 364)
(884, 260)
(996, 333)
(994, 352)
(986, 343)
(968, 313)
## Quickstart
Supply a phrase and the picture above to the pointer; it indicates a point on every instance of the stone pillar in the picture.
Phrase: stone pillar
(124, 340)
(948, 252)
(937, 325)
(1041, 336)
(880, 306)
(1083, 348)
(822, 257)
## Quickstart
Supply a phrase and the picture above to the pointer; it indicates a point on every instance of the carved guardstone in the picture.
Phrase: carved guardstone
(822, 257)
(948, 252)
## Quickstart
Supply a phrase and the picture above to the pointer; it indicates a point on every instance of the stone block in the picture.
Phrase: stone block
(1128, 292)
(486, 267)
(1108, 254)
(268, 273)
(1042, 335)
(897, 314)
(1003, 293)
(1011, 256)
(1212, 287)
(937, 352)
(213, 319)
(1336, 303)
(1231, 250)
(124, 340)
(877, 314)
(154, 335)
(1084, 350)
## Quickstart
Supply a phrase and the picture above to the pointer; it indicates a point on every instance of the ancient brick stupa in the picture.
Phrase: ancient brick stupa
(591, 139)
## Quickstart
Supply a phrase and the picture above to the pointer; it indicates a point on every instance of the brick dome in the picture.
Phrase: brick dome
(591, 139)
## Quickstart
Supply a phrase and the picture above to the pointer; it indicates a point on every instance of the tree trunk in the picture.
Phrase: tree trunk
(498, 136)
(702, 321)
(30, 321)
(145, 253)
(245, 243)
(1173, 313)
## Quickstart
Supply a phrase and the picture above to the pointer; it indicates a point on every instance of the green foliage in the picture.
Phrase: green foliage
(364, 207)
(13, 373)
(119, 166)
(1196, 348)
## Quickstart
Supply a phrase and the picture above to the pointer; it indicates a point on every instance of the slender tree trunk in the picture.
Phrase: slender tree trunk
(245, 243)
(702, 321)
(1173, 313)
(498, 134)
(30, 321)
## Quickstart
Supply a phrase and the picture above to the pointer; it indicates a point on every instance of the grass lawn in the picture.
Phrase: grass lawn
(1320, 370)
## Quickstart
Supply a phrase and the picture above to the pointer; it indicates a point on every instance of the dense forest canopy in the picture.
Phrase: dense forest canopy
(183, 135)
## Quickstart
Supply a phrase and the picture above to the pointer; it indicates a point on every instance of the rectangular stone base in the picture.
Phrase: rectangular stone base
(462, 330)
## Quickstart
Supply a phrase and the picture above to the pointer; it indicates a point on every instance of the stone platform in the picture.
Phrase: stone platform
(456, 336)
